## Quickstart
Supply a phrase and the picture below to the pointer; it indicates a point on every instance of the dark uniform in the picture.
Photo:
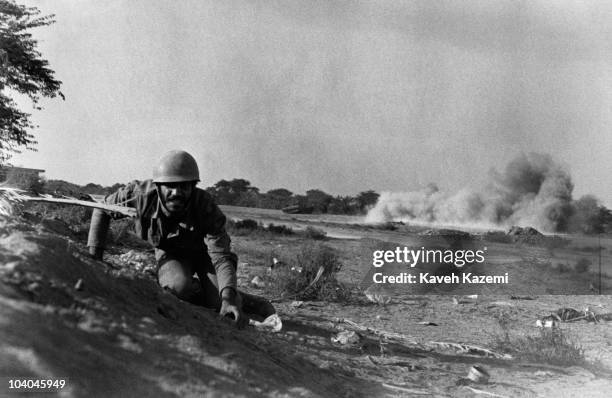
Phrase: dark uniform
(197, 243)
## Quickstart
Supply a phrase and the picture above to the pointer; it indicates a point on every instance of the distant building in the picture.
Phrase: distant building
(17, 173)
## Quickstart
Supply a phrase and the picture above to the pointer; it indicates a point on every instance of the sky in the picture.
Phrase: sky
(342, 96)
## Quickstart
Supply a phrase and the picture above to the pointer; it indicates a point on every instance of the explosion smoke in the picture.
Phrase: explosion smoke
(532, 191)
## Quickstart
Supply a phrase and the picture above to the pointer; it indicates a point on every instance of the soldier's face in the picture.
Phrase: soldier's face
(175, 195)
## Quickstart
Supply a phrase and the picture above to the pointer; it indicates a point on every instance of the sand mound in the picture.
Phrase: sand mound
(115, 333)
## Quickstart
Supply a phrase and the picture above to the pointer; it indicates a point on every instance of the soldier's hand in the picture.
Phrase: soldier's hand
(231, 309)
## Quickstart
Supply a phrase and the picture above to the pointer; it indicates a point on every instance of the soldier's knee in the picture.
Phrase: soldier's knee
(174, 277)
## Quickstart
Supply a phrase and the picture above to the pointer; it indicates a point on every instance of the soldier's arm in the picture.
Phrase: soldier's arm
(219, 248)
(100, 219)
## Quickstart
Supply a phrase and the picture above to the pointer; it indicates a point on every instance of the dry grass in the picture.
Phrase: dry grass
(313, 262)
(549, 346)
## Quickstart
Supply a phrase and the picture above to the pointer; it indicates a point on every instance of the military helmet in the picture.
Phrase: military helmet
(176, 166)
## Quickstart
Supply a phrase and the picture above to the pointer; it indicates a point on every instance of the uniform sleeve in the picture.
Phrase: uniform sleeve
(100, 219)
(219, 248)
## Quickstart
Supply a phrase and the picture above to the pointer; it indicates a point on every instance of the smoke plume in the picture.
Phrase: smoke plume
(533, 190)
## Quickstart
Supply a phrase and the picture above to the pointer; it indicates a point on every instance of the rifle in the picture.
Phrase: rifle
(9, 197)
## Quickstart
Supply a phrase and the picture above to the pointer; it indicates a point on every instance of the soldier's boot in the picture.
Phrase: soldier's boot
(256, 305)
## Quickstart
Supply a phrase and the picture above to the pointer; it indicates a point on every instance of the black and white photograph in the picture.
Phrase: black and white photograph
(306, 198)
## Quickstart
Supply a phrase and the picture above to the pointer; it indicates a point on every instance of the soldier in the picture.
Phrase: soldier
(187, 230)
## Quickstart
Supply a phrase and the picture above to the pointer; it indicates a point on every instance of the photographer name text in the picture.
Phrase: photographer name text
(427, 278)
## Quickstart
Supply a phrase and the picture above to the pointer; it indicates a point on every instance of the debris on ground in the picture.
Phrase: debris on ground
(407, 390)
(531, 236)
(485, 393)
(572, 315)
(346, 337)
(132, 257)
(478, 374)
(272, 323)
(258, 282)
(276, 265)
(378, 298)
(469, 299)
(500, 304)
(467, 349)
(547, 322)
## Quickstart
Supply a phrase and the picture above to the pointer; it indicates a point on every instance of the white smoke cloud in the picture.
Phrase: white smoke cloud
(532, 191)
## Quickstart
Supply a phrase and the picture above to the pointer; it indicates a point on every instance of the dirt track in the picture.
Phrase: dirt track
(121, 335)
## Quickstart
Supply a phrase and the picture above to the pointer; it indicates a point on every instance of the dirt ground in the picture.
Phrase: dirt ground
(107, 328)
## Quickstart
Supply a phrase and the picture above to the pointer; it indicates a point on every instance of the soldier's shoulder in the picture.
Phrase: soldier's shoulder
(131, 190)
(203, 197)
(142, 187)
(205, 200)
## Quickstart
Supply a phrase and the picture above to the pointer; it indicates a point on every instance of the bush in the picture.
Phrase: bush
(247, 223)
(241, 227)
(280, 229)
(582, 265)
(295, 278)
(550, 346)
(315, 233)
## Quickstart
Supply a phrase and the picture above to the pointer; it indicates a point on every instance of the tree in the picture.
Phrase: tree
(24, 71)
(589, 216)
(275, 198)
(280, 192)
(237, 192)
(367, 199)
(318, 200)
